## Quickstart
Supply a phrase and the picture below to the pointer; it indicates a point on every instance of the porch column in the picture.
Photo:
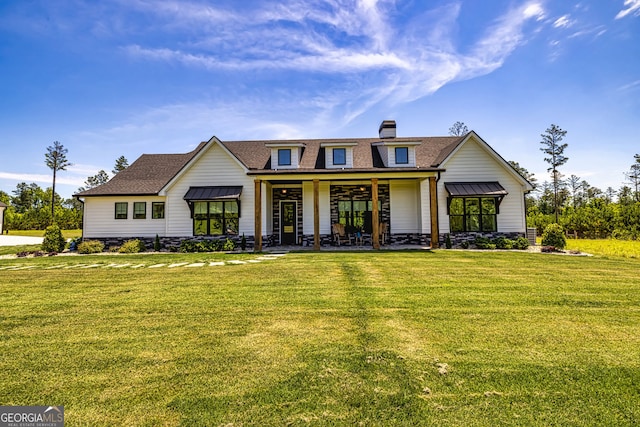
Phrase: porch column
(258, 216)
(433, 207)
(316, 214)
(375, 215)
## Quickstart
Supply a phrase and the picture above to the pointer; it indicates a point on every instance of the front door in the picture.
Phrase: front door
(288, 223)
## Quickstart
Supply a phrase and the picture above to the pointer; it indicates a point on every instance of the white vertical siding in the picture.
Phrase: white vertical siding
(99, 218)
(405, 206)
(215, 167)
(472, 163)
(425, 207)
(307, 208)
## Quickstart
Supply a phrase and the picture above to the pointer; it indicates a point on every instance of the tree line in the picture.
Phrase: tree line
(582, 210)
(31, 207)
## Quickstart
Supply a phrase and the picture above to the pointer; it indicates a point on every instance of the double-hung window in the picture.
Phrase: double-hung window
(139, 210)
(157, 210)
(121, 210)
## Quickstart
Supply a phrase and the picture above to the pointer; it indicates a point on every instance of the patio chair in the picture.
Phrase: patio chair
(383, 232)
(339, 234)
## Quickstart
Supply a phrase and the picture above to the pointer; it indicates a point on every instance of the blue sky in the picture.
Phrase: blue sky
(127, 77)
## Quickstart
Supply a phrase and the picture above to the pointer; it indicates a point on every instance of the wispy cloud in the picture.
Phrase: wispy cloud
(632, 7)
(630, 86)
(562, 22)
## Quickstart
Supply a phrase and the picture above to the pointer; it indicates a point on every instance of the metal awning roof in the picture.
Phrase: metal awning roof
(213, 193)
(462, 189)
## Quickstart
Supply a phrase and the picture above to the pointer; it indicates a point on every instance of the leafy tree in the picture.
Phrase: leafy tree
(552, 147)
(610, 194)
(5, 198)
(458, 129)
(625, 195)
(56, 160)
(121, 164)
(27, 197)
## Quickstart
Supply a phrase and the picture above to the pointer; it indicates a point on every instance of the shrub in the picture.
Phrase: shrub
(53, 240)
(521, 243)
(484, 243)
(156, 244)
(553, 235)
(207, 245)
(447, 241)
(243, 243)
(503, 243)
(132, 247)
(90, 247)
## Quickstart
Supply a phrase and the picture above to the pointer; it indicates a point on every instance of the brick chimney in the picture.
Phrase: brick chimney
(387, 129)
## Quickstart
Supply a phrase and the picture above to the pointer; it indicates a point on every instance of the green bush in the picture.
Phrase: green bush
(156, 244)
(207, 245)
(447, 241)
(53, 240)
(521, 243)
(503, 243)
(484, 243)
(90, 247)
(553, 235)
(132, 247)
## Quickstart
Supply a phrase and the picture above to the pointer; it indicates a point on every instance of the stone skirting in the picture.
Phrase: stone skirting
(459, 240)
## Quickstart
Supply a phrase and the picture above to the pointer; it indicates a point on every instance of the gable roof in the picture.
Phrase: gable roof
(151, 173)
(2, 205)
(146, 176)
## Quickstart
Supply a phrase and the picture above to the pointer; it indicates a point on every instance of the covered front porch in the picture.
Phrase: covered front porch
(350, 211)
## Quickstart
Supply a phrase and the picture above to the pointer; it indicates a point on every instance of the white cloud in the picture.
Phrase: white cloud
(632, 7)
(562, 22)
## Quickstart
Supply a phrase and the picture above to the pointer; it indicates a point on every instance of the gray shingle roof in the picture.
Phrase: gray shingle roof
(146, 176)
(151, 172)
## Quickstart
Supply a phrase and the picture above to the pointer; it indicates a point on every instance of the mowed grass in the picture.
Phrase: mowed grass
(370, 338)
(67, 234)
(606, 247)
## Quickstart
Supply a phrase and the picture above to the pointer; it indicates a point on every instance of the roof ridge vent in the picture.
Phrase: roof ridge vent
(387, 129)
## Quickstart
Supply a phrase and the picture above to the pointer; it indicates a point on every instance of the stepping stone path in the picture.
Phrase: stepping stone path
(257, 260)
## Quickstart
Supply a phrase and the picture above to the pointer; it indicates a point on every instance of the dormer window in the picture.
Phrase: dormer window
(402, 155)
(397, 153)
(284, 157)
(338, 155)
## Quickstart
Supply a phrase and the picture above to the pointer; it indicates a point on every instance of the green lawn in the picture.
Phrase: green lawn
(370, 338)
(67, 234)
(607, 247)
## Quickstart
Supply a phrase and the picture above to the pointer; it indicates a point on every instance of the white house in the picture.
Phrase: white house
(294, 192)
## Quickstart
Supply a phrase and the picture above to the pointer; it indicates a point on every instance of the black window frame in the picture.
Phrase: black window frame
(153, 210)
(405, 155)
(474, 216)
(283, 161)
(139, 215)
(226, 222)
(344, 156)
(126, 210)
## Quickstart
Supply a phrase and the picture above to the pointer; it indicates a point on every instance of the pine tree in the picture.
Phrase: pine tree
(551, 146)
